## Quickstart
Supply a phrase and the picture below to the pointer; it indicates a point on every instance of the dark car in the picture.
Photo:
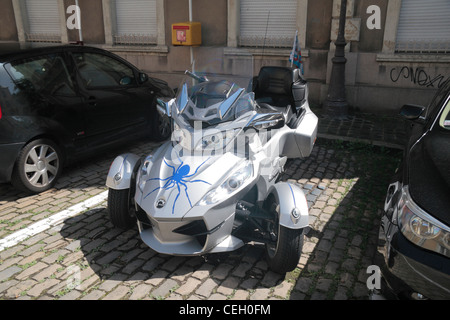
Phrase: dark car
(63, 103)
(415, 227)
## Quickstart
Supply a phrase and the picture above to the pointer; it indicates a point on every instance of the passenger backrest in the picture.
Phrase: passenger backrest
(282, 85)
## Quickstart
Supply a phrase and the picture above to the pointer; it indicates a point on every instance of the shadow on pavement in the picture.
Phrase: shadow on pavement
(344, 224)
(345, 185)
(120, 255)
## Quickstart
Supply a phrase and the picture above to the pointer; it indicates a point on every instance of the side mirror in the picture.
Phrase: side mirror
(266, 121)
(164, 107)
(411, 111)
(143, 77)
(227, 104)
(125, 81)
(184, 98)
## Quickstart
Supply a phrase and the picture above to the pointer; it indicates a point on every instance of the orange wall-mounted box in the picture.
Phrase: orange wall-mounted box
(187, 34)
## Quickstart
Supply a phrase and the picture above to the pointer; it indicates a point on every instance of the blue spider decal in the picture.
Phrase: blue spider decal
(178, 178)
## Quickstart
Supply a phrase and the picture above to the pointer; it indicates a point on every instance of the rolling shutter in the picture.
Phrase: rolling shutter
(424, 26)
(136, 22)
(43, 21)
(279, 18)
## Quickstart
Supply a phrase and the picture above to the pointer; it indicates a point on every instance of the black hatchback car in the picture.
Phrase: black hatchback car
(415, 227)
(62, 103)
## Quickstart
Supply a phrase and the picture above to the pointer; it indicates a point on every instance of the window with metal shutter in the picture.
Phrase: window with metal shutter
(424, 26)
(267, 22)
(43, 21)
(136, 22)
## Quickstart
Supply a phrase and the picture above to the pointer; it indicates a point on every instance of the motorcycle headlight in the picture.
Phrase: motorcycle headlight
(421, 228)
(232, 183)
(216, 141)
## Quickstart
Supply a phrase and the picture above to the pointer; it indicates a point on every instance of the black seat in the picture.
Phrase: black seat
(277, 89)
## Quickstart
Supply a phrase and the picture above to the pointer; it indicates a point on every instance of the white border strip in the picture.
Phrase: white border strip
(50, 222)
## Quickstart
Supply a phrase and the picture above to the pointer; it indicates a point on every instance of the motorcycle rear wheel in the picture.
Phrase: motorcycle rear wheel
(283, 256)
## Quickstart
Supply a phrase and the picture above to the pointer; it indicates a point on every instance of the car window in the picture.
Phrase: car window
(438, 100)
(444, 120)
(47, 75)
(98, 70)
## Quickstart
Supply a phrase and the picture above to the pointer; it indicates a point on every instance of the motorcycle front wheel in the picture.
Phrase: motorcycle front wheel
(284, 253)
(120, 209)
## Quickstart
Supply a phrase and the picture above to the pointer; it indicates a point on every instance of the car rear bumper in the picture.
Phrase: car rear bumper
(408, 271)
(9, 153)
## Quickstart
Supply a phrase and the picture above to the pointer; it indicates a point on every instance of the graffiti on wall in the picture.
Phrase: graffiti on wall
(418, 76)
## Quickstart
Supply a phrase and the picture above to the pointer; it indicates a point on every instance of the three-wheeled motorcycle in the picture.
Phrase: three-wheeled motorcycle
(214, 186)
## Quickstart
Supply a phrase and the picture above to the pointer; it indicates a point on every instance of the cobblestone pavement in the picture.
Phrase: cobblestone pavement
(380, 130)
(84, 257)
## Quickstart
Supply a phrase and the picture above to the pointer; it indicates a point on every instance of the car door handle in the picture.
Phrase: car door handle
(92, 101)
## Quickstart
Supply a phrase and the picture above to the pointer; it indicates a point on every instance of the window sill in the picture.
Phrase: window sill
(403, 57)
(242, 51)
(133, 48)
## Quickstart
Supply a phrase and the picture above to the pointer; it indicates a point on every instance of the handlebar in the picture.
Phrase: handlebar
(196, 77)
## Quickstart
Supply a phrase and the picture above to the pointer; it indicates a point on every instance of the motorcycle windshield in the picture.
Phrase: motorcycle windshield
(216, 91)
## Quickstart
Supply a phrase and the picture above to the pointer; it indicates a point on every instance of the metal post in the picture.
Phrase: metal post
(191, 49)
(336, 103)
(80, 32)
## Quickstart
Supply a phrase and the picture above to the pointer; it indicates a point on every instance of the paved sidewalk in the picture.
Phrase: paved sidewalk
(85, 258)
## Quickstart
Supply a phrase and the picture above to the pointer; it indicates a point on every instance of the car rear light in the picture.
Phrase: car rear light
(0, 111)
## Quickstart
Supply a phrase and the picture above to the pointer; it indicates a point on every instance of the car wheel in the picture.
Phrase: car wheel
(120, 210)
(161, 127)
(284, 252)
(38, 166)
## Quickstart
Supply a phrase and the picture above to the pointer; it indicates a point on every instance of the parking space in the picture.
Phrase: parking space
(78, 183)
(84, 257)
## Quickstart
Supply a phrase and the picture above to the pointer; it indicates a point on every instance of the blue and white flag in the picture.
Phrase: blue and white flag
(296, 54)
